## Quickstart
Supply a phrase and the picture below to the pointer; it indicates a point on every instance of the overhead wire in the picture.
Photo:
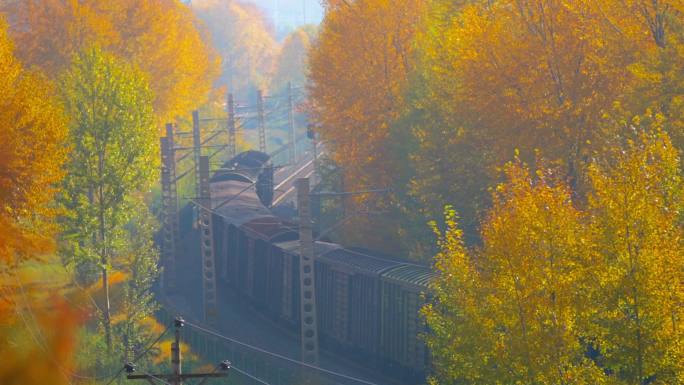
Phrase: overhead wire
(142, 354)
(279, 356)
(41, 342)
(244, 373)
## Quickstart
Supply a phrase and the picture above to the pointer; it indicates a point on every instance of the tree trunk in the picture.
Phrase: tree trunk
(104, 259)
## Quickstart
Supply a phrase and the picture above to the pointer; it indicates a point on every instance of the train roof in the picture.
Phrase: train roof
(292, 247)
(349, 258)
(245, 166)
(359, 260)
(237, 202)
(410, 274)
(271, 229)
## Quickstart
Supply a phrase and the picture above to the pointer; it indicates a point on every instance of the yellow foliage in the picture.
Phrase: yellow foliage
(32, 134)
(358, 73)
(158, 36)
(561, 295)
(291, 62)
(637, 202)
(243, 40)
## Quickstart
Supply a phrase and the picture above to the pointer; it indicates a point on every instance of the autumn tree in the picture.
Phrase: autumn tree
(291, 66)
(656, 29)
(636, 206)
(495, 76)
(243, 40)
(459, 332)
(161, 37)
(514, 312)
(32, 150)
(113, 158)
(359, 69)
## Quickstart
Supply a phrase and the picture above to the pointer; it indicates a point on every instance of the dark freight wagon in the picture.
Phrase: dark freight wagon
(367, 305)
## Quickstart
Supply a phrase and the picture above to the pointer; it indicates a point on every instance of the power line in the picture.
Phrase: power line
(249, 375)
(42, 344)
(276, 355)
(140, 355)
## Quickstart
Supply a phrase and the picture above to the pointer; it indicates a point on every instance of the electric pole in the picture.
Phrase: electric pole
(307, 281)
(177, 377)
(311, 134)
(207, 245)
(232, 140)
(261, 122)
(196, 152)
(290, 124)
(170, 232)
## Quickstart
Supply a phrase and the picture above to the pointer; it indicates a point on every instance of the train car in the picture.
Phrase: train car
(264, 274)
(242, 222)
(367, 304)
(288, 253)
(348, 285)
(403, 291)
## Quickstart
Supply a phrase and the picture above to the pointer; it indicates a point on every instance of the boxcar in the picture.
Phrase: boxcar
(349, 282)
(402, 292)
(265, 267)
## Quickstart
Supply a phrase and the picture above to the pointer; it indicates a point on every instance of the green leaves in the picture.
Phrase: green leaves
(112, 164)
(113, 138)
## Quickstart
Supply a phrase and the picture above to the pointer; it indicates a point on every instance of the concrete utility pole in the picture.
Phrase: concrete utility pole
(170, 232)
(290, 124)
(311, 134)
(207, 245)
(177, 377)
(196, 153)
(232, 140)
(261, 121)
(307, 282)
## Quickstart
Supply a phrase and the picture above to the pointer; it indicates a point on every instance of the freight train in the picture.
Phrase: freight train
(367, 304)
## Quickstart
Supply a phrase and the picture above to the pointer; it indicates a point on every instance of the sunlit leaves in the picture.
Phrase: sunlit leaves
(637, 203)
(513, 310)
(32, 150)
(559, 294)
(359, 70)
(114, 148)
(159, 36)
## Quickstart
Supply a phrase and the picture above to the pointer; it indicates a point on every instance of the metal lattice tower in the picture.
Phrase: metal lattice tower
(232, 140)
(196, 153)
(307, 282)
(262, 121)
(207, 245)
(169, 209)
(290, 125)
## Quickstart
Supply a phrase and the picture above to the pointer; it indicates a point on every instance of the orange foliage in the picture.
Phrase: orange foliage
(38, 326)
(358, 73)
(159, 36)
(535, 74)
(32, 133)
(42, 353)
(359, 69)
